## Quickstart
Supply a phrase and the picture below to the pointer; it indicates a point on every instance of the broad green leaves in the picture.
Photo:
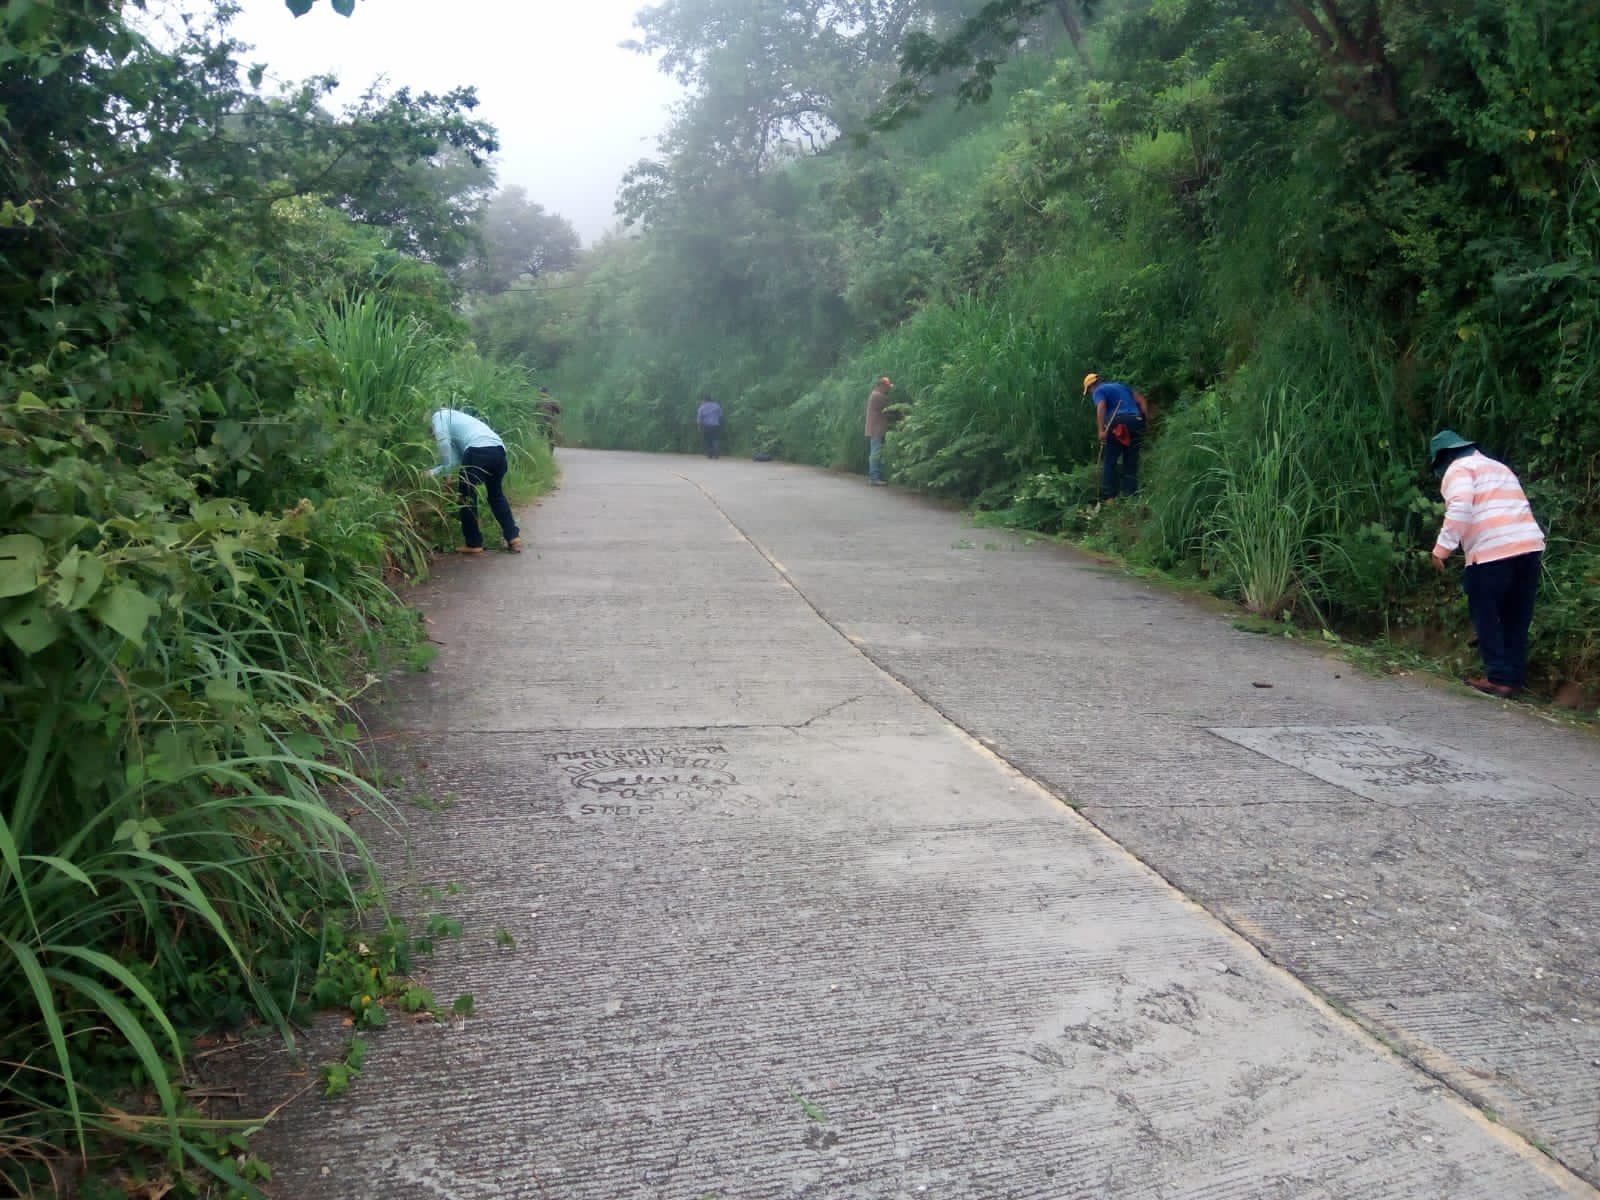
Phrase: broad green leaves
(194, 538)
(127, 610)
(21, 556)
(78, 578)
(30, 626)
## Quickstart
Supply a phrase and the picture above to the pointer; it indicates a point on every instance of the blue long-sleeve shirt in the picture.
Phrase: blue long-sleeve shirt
(457, 432)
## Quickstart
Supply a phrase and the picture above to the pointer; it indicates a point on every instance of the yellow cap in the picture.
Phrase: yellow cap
(1089, 381)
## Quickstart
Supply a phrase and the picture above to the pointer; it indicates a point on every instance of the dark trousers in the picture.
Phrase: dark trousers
(713, 439)
(1126, 457)
(1500, 599)
(484, 466)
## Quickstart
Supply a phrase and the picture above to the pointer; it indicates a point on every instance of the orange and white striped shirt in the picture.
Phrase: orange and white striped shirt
(1486, 512)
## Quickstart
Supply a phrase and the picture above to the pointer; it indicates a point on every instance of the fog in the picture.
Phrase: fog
(572, 108)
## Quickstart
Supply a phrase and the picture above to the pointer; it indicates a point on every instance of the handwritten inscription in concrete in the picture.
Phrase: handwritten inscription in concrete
(633, 780)
(1389, 765)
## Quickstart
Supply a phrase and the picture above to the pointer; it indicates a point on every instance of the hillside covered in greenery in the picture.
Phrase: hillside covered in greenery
(1312, 233)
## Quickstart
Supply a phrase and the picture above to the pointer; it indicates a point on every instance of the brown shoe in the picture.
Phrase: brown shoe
(469, 549)
(515, 545)
(1490, 688)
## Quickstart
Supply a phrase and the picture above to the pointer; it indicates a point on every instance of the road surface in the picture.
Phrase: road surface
(850, 851)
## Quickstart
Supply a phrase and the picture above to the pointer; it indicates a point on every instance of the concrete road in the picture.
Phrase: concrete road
(771, 779)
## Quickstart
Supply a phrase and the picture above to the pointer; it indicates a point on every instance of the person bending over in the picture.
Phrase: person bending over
(1121, 414)
(478, 456)
(1487, 514)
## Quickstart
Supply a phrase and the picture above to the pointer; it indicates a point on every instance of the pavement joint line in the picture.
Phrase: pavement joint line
(1336, 1012)
(421, 731)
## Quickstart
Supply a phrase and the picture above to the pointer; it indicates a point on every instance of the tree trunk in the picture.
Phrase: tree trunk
(1068, 11)
(1359, 65)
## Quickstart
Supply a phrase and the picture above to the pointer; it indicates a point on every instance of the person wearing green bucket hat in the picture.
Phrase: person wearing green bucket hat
(1488, 516)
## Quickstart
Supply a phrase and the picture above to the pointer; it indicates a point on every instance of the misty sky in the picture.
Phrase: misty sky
(573, 110)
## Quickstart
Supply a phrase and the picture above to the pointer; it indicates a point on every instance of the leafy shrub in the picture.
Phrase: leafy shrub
(201, 508)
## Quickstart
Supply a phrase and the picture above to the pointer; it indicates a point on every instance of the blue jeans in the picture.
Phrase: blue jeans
(875, 459)
(713, 440)
(1500, 599)
(1126, 456)
(486, 466)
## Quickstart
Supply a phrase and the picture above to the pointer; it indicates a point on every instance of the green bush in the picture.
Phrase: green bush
(215, 390)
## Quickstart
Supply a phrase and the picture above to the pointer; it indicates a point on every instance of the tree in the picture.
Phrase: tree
(517, 239)
(975, 48)
(174, 152)
(771, 80)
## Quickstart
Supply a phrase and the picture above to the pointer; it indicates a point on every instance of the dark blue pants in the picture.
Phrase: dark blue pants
(1127, 457)
(1500, 599)
(713, 440)
(484, 466)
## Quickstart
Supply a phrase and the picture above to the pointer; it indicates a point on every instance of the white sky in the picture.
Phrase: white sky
(572, 109)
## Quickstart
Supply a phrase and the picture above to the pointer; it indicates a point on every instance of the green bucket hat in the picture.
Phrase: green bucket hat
(1446, 439)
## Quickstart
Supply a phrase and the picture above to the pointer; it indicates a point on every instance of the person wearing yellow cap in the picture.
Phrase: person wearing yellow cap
(1121, 414)
(877, 429)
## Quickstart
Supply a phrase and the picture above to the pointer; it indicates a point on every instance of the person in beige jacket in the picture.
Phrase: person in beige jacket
(877, 429)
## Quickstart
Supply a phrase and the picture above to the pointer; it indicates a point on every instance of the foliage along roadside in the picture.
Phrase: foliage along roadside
(1308, 264)
(220, 353)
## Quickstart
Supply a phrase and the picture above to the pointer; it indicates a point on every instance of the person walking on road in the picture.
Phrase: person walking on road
(1121, 414)
(1488, 515)
(478, 456)
(709, 418)
(547, 416)
(877, 429)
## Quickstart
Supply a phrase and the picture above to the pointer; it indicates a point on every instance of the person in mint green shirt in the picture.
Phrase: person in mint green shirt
(475, 452)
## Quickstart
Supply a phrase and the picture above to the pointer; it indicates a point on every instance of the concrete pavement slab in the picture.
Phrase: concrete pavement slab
(775, 926)
(1475, 849)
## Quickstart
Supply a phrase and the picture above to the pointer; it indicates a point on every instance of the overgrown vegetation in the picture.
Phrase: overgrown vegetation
(225, 322)
(1312, 234)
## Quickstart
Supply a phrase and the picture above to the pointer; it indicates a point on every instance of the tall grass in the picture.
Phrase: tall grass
(1258, 536)
(177, 750)
(385, 358)
(175, 813)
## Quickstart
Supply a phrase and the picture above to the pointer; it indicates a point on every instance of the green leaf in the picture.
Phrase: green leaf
(344, 7)
(336, 1076)
(78, 578)
(227, 549)
(127, 610)
(150, 287)
(463, 1006)
(44, 997)
(814, 1111)
(137, 832)
(222, 691)
(32, 627)
(299, 7)
(132, 1032)
(20, 557)
(128, 980)
(69, 869)
(56, 527)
